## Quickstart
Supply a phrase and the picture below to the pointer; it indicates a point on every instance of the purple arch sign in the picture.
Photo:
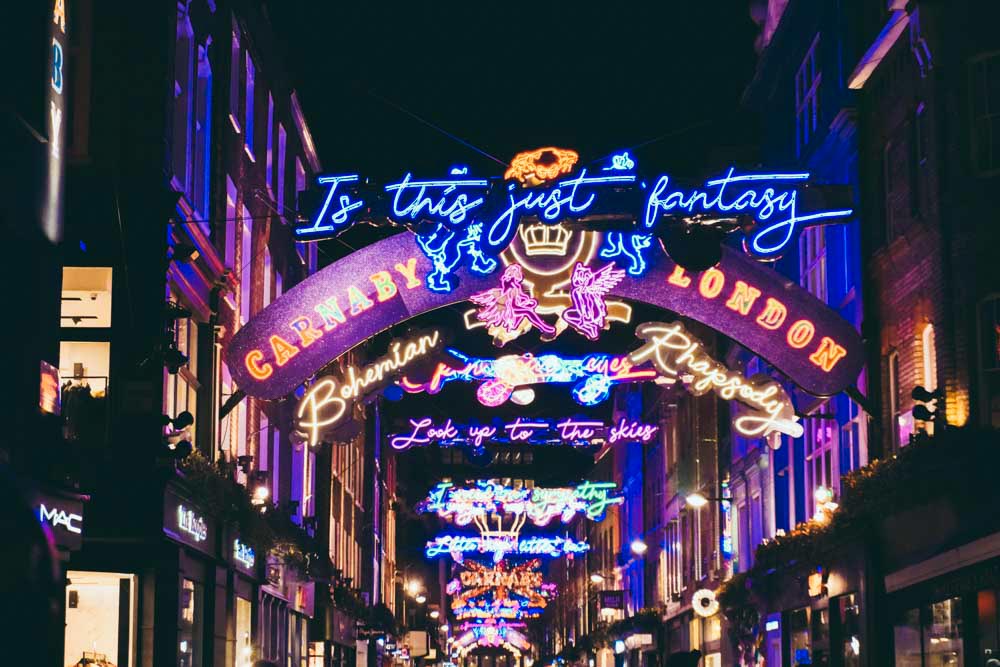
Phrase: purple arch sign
(384, 284)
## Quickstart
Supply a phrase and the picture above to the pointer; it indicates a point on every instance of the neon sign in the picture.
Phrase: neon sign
(329, 399)
(470, 221)
(459, 545)
(243, 553)
(574, 432)
(60, 517)
(593, 375)
(677, 353)
(501, 591)
(539, 505)
(383, 284)
(192, 524)
(523, 575)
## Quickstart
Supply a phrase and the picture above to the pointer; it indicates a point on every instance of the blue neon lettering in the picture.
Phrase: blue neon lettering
(454, 211)
(340, 216)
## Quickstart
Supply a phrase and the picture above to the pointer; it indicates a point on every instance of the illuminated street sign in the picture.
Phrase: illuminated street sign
(540, 505)
(569, 431)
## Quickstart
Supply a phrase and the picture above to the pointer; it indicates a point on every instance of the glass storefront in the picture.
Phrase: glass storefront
(190, 630)
(930, 636)
(100, 619)
(244, 633)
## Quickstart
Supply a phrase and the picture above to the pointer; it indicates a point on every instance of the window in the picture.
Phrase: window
(180, 389)
(84, 364)
(246, 266)
(201, 176)
(894, 167)
(229, 224)
(244, 634)
(234, 78)
(849, 629)
(263, 443)
(280, 180)
(739, 537)
(300, 181)
(918, 160)
(892, 369)
(249, 106)
(854, 439)
(86, 297)
(820, 451)
(929, 356)
(268, 272)
(807, 81)
(183, 98)
(270, 144)
(989, 360)
(930, 635)
(101, 616)
(191, 627)
(812, 261)
(985, 90)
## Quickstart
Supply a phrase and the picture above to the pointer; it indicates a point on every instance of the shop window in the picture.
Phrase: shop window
(101, 614)
(807, 83)
(799, 647)
(985, 91)
(251, 76)
(191, 627)
(849, 630)
(244, 634)
(989, 360)
(989, 627)
(83, 381)
(930, 636)
(86, 297)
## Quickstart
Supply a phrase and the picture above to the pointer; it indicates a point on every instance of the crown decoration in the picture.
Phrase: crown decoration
(545, 240)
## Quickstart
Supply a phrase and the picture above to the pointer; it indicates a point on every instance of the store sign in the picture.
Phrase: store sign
(592, 376)
(677, 353)
(60, 518)
(612, 599)
(540, 505)
(191, 524)
(243, 554)
(382, 284)
(52, 201)
(523, 575)
(463, 221)
(459, 545)
(329, 400)
(424, 432)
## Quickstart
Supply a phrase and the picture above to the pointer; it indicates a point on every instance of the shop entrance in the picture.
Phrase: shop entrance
(100, 619)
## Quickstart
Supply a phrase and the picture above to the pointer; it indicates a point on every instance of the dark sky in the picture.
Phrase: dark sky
(506, 77)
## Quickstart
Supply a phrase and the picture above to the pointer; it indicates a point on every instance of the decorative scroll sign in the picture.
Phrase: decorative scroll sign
(462, 221)
(575, 432)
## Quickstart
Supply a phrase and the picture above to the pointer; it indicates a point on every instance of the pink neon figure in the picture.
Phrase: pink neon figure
(509, 306)
(587, 289)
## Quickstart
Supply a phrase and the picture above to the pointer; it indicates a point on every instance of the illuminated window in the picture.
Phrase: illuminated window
(268, 272)
(244, 633)
(86, 297)
(985, 91)
(820, 442)
(279, 184)
(854, 446)
(202, 168)
(180, 389)
(270, 144)
(675, 564)
(234, 78)
(191, 627)
(246, 266)
(807, 82)
(929, 356)
(249, 110)
(812, 261)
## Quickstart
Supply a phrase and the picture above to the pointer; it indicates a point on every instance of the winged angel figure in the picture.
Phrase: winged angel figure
(588, 312)
(509, 308)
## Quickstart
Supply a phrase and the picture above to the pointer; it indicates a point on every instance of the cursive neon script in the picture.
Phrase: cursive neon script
(424, 432)
(326, 402)
(677, 353)
(465, 221)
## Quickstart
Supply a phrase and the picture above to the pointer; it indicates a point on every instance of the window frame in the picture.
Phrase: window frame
(807, 97)
(994, 166)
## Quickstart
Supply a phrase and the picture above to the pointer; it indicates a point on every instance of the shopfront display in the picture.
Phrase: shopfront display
(101, 618)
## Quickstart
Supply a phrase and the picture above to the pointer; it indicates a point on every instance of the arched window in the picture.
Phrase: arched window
(930, 378)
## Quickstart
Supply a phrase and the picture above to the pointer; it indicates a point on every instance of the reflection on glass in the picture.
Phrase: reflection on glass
(850, 630)
(943, 635)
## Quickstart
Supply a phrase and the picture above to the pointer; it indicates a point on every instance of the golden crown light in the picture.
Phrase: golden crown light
(545, 240)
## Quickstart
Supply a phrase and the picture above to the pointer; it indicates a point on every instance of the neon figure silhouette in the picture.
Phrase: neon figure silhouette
(509, 307)
(588, 312)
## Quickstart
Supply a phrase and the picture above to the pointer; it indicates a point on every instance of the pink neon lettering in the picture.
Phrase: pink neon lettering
(577, 430)
(520, 431)
(402, 442)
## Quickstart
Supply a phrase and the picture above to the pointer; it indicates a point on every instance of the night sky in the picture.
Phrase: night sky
(506, 77)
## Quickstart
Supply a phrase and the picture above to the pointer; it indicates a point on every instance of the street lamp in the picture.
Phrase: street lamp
(597, 578)
(696, 499)
(413, 587)
(435, 614)
(638, 547)
(421, 599)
